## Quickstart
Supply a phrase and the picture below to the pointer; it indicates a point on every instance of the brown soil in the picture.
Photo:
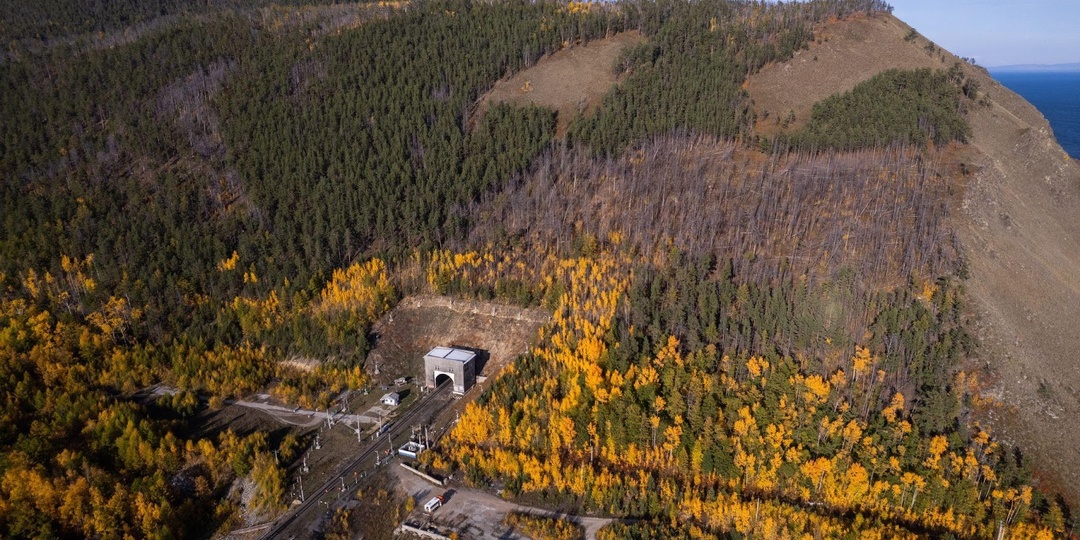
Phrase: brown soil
(571, 81)
(842, 55)
(419, 323)
(1019, 223)
(1022, 236)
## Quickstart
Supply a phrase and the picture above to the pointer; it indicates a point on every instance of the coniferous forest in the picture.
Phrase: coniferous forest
(751, 337)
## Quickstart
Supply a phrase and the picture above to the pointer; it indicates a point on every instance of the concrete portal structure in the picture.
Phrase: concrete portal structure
(457, 364)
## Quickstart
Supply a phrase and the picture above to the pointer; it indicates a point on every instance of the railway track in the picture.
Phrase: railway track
(328, 492)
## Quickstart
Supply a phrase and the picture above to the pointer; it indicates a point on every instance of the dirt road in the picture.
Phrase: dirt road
(480, 514)
(309, 418)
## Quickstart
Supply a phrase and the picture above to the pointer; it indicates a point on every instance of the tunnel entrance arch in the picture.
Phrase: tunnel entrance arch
(441, 377)
(457, 364)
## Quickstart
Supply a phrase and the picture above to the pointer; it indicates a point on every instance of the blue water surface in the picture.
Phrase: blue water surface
(1057, 96)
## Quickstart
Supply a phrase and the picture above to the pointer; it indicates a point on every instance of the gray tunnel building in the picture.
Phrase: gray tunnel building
(457, 364)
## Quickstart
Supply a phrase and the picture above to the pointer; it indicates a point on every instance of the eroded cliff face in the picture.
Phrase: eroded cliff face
(1018, 220)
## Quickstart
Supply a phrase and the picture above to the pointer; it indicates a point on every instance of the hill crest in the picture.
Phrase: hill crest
(1018, 223)
(572, 81)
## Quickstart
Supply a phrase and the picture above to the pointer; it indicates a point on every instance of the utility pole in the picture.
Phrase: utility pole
(300, 480)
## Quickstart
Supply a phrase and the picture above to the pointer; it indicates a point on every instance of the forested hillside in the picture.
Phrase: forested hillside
(914, 107)
(57, 19)
(172, 214)
(740, 322)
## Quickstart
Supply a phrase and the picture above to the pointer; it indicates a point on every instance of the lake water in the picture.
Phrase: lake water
(1057, 96)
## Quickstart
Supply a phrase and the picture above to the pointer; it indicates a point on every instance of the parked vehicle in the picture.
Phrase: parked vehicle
(433, 504)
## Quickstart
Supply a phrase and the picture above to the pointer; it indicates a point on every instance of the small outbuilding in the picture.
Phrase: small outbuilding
(457, 365)
(392, 399)
(411, 449)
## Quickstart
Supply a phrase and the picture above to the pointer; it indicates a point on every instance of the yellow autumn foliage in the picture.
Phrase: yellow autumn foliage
(363, 289)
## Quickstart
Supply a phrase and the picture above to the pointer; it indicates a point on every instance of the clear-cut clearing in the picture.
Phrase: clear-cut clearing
(571, 81)
(1019, 224)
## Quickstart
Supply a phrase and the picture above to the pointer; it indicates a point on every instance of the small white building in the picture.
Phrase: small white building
(392, 399)
(411, 449)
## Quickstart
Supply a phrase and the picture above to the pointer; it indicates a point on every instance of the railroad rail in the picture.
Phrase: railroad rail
(330, 486)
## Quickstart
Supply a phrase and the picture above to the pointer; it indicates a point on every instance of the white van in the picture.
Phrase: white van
(433, 504)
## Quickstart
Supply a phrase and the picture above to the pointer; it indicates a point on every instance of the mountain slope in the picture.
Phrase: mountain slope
(571, 81)
(1018, 224)
(742, 342)
(1023, 241)
(842, 55)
